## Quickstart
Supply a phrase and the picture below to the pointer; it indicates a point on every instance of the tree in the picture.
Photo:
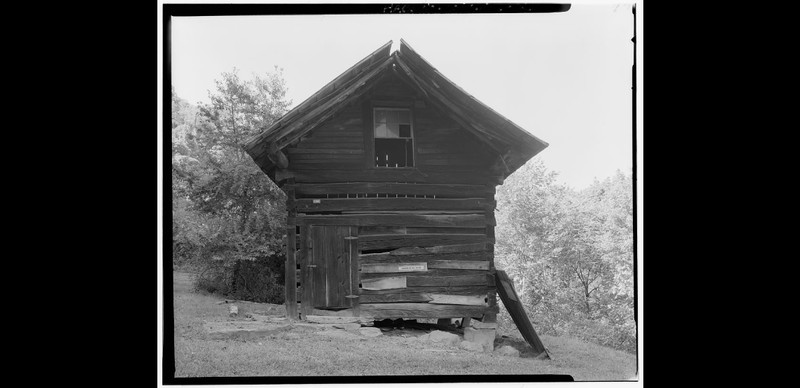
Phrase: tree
(225, 210)
(570, 253)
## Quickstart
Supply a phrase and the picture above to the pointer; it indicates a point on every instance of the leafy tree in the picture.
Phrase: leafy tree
(225, 210)
(570, 253)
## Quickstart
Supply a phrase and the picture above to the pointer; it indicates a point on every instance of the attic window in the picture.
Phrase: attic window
(394, 140)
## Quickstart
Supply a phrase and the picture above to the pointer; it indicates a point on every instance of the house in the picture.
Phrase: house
(390, 173)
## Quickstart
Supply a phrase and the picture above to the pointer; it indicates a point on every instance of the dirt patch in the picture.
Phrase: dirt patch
(207, 342)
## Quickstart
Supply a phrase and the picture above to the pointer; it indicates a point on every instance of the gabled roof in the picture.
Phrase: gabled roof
(514, 145)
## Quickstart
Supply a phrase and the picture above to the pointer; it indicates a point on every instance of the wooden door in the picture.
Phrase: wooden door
(333, 260)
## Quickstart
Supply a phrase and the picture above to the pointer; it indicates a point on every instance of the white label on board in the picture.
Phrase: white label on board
(412, 267)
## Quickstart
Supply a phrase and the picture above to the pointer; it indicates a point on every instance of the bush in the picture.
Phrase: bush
(259, 280)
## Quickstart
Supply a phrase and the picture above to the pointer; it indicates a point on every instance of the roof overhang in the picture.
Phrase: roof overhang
(513, 145)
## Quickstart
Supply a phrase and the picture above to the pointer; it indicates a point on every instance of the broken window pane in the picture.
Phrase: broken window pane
(405, 130)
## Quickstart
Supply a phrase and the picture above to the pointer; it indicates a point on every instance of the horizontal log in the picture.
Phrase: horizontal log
(450, 281)
(386, 174)
(430, 212)
(337, 151)
(309, 158)
(393, 267)
(380, 229)
(384, 283)
(465, 220)
(423, 310)
(430, 230)
(322, 165)
(449, 248)
(331, 313)
(320, 143)
(327, 319)
(442, 273)
(350, 204)
(395, 298)
(468, 300)
(446, 190)
(430, 258)
(459, 264)
(376, 282)
(462, 161)
(277, 157)
(453, 290)
(393, 241)
(347, 130)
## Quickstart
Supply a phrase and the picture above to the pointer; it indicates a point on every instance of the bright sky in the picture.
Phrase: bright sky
(564, 77)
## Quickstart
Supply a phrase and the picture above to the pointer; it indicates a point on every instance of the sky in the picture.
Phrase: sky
(564, 77)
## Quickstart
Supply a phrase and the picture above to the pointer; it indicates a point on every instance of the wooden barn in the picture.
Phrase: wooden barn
(390, 173)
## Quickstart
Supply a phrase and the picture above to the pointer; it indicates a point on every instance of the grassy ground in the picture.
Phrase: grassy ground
(303, 350)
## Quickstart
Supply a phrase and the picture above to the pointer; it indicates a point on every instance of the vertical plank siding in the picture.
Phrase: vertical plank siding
(291, 279)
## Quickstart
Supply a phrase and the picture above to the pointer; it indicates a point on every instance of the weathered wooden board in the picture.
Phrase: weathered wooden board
(429, 272)
(307, 272)
(397, 297)
(394, 267)
(455, 290)
(348, 128)
(352, 165)
(446, 230)
(440, 190)
(422, 310)
(447, 281)
(373, 258)
(325, 157)
(465, 220)
(350, 204)
(319, 266)
(459, 264)
(384, 283)
(455, 160)
(393, 241)
(308, 143)
(354, 275)
(386, 174)
(291, 276)
(345, 313)
(380, 229)
(467, 300)
(517, 311)
(332, 271)
(450, 248)
(328, 319)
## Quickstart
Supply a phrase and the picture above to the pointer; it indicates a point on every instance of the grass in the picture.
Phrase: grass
(308, 351)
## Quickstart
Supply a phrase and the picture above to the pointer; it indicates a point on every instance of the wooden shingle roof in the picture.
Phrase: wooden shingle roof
(513, 144)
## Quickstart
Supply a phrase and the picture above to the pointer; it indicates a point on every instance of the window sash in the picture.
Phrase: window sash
(387, 122)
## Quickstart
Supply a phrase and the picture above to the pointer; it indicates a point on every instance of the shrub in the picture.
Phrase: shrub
(259, 280)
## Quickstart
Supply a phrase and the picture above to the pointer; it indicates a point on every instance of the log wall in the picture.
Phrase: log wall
(425, 235)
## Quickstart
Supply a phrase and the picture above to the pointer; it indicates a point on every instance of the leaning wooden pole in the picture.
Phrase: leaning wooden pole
(510, 299)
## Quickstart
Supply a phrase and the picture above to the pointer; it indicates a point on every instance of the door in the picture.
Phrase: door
(332, 267)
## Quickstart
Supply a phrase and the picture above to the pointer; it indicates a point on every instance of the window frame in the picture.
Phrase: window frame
(391, 106)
